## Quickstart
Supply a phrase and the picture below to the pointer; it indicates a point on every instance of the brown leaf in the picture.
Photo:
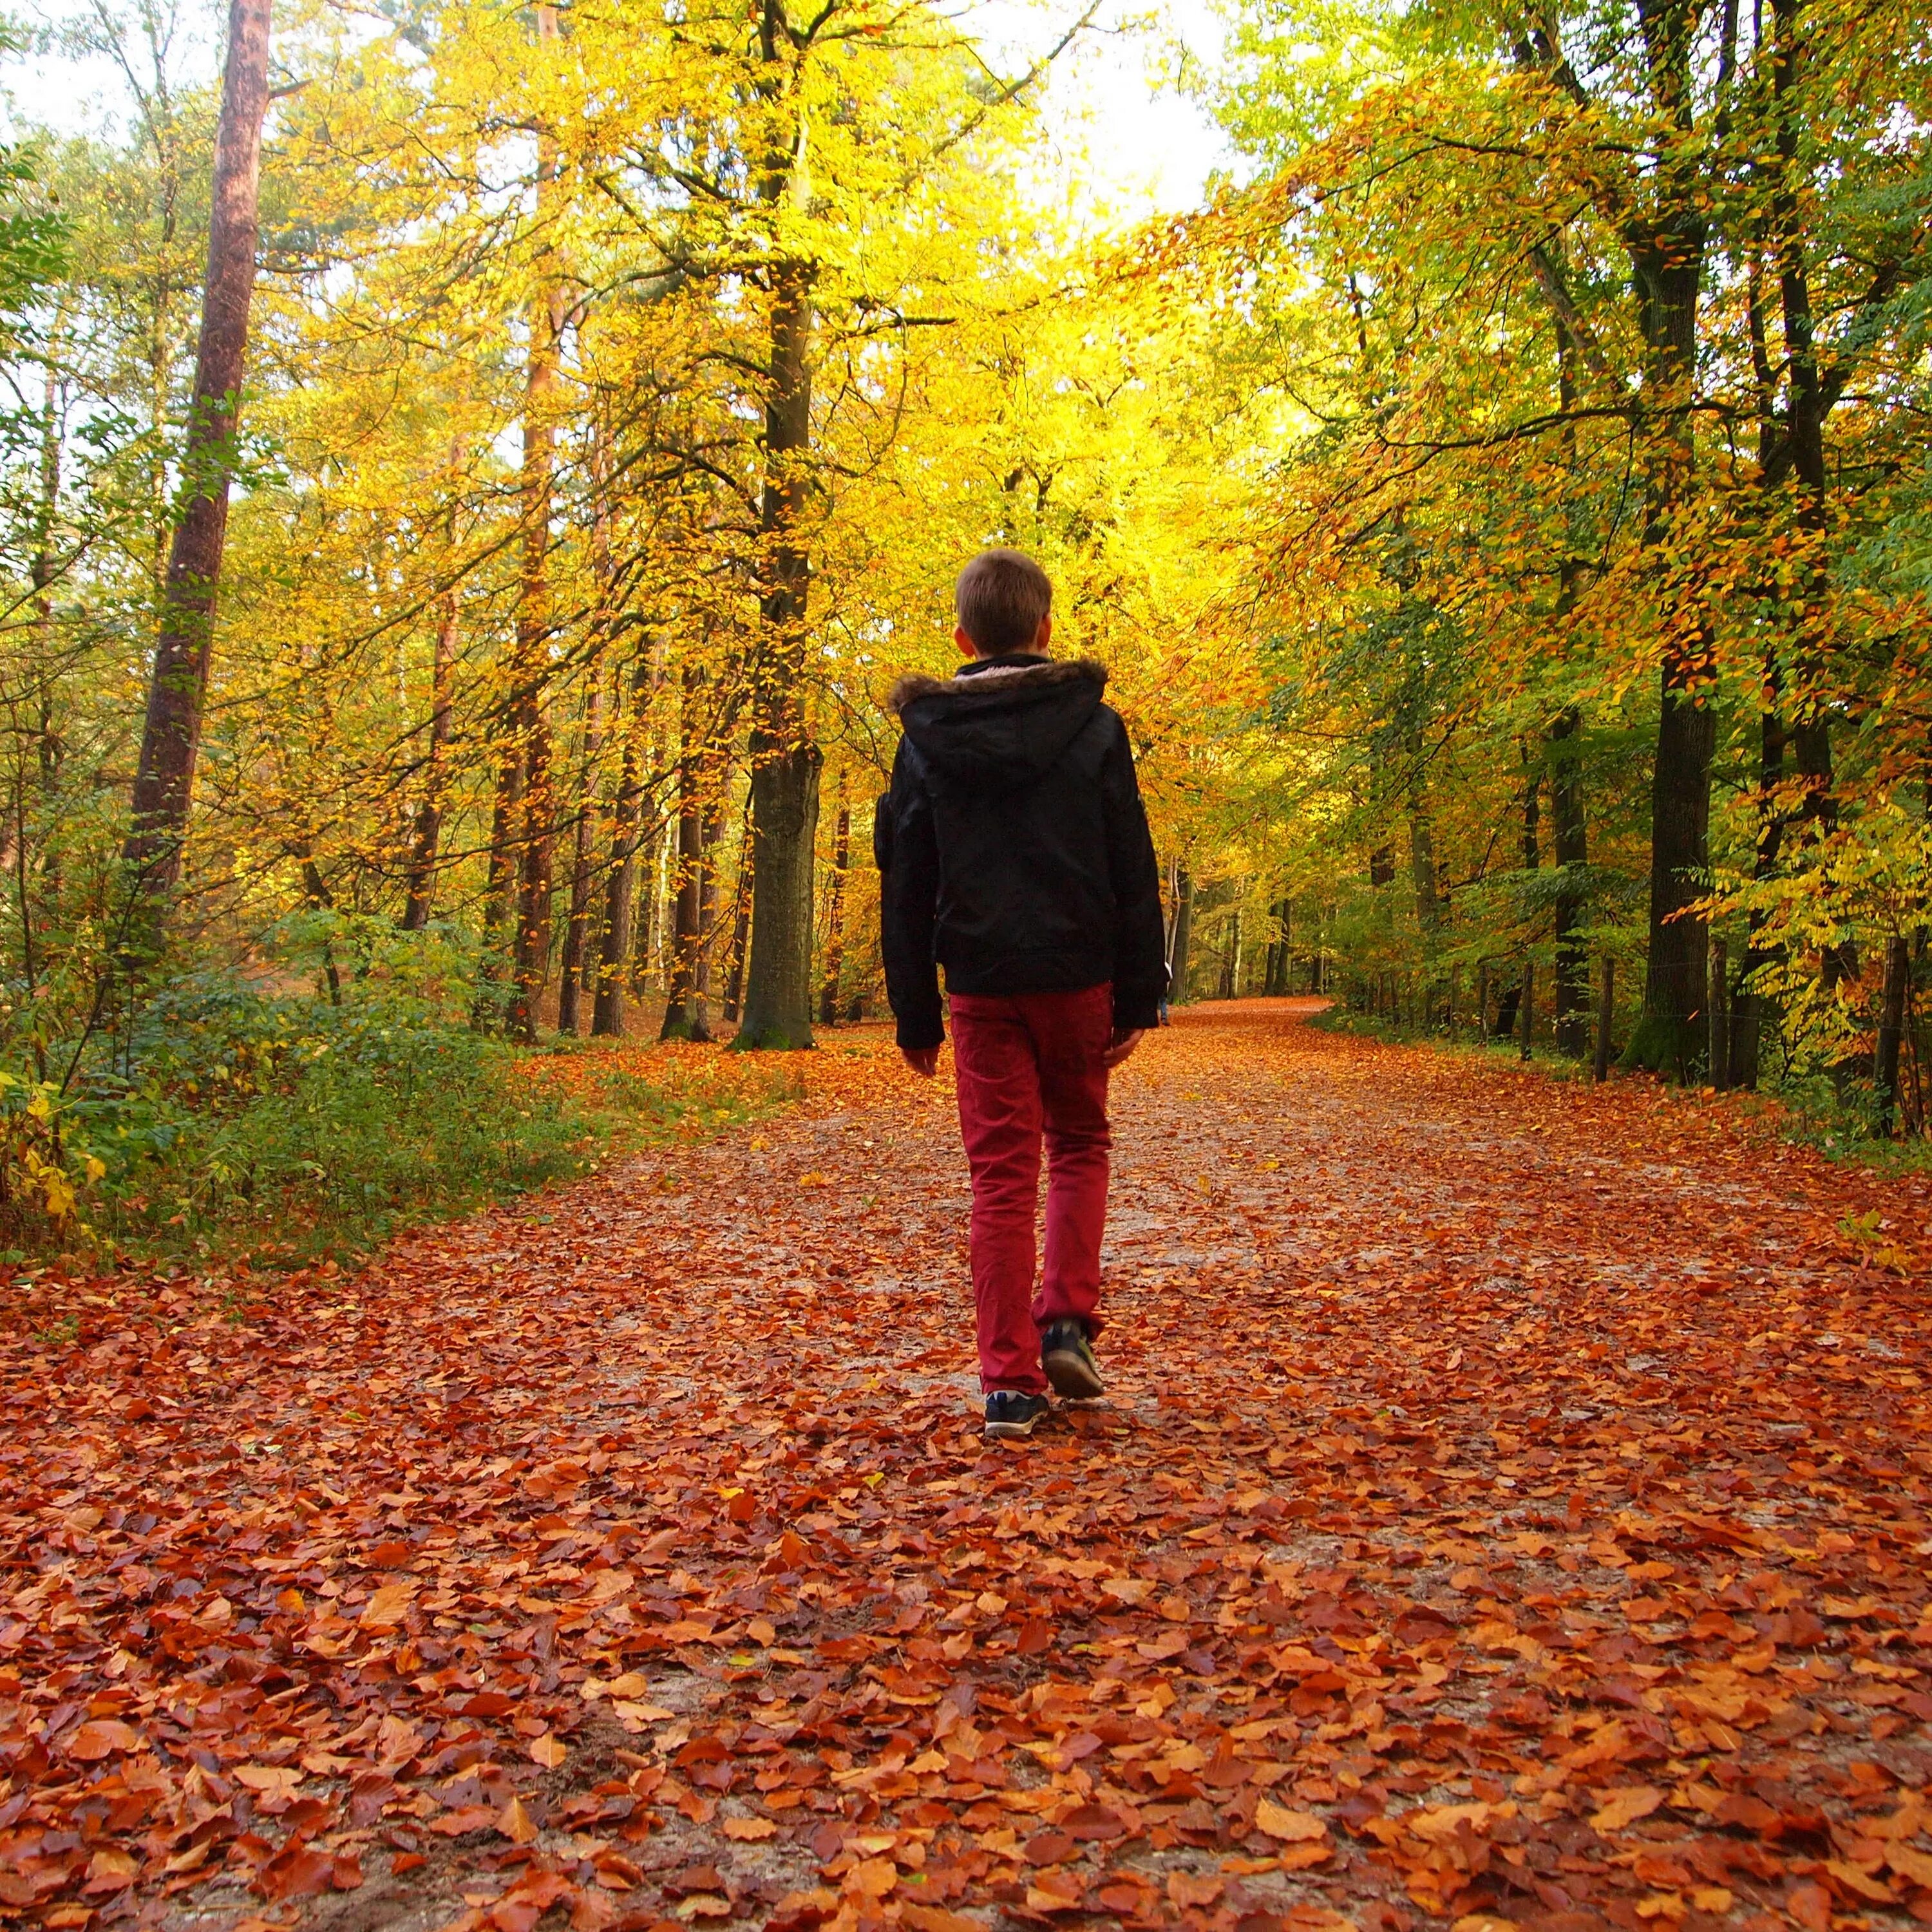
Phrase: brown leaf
(1624, 1806)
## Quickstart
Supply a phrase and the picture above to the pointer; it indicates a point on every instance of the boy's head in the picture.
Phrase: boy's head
(1004, 602)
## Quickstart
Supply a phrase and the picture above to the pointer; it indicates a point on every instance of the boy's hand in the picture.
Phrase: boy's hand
(1124, 1045)
(924, 1061)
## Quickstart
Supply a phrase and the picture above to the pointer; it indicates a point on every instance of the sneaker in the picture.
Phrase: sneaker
(1068, 1358)
(1009, 1412)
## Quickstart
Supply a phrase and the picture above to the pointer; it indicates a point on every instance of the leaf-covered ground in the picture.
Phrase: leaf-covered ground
(1511, 1506)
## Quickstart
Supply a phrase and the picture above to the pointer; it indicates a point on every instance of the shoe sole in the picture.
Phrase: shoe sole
(1073, 1375)
(1004, 1431)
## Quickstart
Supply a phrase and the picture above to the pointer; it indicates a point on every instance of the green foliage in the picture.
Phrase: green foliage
(245, 1114)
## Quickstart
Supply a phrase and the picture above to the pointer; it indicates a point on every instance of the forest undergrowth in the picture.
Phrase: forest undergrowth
(1509, 1510)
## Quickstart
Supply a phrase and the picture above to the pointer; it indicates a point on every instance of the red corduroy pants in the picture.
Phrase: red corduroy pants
(1031, 1067)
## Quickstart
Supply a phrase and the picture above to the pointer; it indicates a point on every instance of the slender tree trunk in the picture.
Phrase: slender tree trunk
(607, 1018)
(536, 843)
(171, 735)
(741, 923)
(1721, 1018)
(429, 814)
(1606, 1013)
(1891, 1031)
(687, 879)
(498, 880)
(1422, 873)
(1182, 939)
(571, 973)
(1566, 802)
(834, 914)
(707, 908)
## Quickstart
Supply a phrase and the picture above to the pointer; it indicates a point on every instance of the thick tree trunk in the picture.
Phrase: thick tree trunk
(1667, 254)
(171, 735)
(835, 911)
(1665, 1039)
(785, 761)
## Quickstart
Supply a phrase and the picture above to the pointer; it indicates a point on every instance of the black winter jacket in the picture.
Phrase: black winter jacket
(1014, 850)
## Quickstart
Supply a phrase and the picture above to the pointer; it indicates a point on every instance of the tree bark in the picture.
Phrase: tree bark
(707, 909)
(1891, 1031)
(530, 701)
(741, 925)
(1566, 801)
(835, 914)
(1183, 936)
(421, 888)
(1666, 1038)
(785, 761)
(607, 1016)
(571, 971)
(1667, 249)
(687, 879)
(1720, 1030)
(1606, 1013)
(171, 735)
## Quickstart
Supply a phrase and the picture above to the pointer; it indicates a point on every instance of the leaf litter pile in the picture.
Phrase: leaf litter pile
(1510, 1510)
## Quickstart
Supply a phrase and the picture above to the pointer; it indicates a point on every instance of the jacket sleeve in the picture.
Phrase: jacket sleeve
(1140, 939)
(904, 843)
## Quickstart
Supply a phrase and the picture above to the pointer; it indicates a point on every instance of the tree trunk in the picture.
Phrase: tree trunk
(606, 1015)
(1749, 1008)
(1566, 801)
(1665, 1039)
(785, 761)
(1720, 1036)
(1891, 1031)
(531, 697)
(421, 885)
(1606, 1013)
(707, 909)
(1183, 936)
(741, 925)
(687, 879)
(571, 973)
(171, 735)
(1667, 254)
(498, 877)
(834, 914)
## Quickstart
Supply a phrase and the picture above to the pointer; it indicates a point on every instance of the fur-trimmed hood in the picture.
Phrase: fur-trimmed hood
(999, 723)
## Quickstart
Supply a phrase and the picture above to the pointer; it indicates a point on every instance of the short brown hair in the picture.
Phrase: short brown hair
(1001, 596)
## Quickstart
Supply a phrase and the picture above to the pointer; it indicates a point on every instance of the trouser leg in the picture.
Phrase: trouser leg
(998, 1084)
(1071, 1033)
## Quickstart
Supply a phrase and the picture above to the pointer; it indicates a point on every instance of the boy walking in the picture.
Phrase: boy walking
(1014, 853)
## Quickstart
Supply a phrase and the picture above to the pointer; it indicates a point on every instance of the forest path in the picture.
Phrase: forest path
(1510, 1505)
